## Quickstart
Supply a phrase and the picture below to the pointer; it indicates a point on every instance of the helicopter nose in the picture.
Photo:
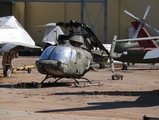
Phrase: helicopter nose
(55, 68)
(40, 68)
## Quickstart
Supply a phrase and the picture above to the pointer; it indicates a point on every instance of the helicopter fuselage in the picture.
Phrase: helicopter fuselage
(64, 61)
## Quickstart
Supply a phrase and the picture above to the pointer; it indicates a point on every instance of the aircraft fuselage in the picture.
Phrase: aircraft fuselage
(134, 53)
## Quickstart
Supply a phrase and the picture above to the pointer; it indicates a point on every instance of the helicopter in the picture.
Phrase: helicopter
(72, 54)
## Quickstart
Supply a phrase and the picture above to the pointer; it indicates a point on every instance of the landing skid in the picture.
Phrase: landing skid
(77, 84)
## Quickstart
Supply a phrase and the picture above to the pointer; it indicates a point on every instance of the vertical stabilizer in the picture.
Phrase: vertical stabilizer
(51, 33)
(144, 33)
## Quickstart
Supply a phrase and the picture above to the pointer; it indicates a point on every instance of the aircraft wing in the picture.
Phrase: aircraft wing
(4, 47)
(13, 34)
(152, 54)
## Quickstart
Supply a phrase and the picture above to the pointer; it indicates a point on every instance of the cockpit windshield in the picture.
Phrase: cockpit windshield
(46, 53)
(59, 53)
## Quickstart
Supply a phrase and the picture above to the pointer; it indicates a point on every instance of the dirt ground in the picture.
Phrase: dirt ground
(128, 99)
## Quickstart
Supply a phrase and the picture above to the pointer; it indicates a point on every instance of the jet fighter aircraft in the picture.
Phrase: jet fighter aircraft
(13, 38)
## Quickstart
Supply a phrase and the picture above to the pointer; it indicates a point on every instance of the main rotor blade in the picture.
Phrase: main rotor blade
(146, 12)
(128, 13)
(137, 31)
(47, 25)
(138, 39)
(141, 23)
(152, 29)
(95, 38)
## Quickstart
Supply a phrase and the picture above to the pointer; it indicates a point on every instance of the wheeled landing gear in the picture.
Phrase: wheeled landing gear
(8, 71)
(125, 67)
(117, 77)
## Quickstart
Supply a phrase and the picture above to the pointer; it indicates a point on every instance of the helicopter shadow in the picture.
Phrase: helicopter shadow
(32, 85)
(142, 69)
(145, 99)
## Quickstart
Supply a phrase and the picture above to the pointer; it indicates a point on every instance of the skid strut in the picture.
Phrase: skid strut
(76, 84)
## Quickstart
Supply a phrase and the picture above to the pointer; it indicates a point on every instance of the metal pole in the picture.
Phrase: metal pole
(105, 21)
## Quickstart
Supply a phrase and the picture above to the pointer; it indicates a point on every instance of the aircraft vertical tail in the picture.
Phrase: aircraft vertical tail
(144, 33)
(140, 31)
(51, 33)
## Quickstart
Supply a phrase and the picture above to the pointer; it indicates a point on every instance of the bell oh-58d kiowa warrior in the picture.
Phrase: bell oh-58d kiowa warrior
(72, 54)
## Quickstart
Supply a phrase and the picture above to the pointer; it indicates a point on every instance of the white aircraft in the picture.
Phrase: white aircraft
(51, 33)
(152, 54)
(12, 36)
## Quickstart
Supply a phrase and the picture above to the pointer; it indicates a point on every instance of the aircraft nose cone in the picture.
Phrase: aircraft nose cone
(50, 67)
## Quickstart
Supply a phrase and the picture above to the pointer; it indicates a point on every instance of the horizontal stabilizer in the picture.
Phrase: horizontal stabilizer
(152, 54)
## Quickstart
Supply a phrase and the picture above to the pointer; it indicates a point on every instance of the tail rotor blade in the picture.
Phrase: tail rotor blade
(131, 15)
(146, 12)
(152, 29)
(137, 31)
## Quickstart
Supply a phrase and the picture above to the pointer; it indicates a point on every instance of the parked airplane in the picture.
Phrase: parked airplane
(13, 38)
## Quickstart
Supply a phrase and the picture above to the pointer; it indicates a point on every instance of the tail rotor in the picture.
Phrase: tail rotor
(142, 22)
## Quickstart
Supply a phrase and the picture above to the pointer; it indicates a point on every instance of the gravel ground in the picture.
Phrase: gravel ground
(128, 99)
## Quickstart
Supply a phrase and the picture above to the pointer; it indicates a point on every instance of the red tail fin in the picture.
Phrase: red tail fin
(144, 33)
